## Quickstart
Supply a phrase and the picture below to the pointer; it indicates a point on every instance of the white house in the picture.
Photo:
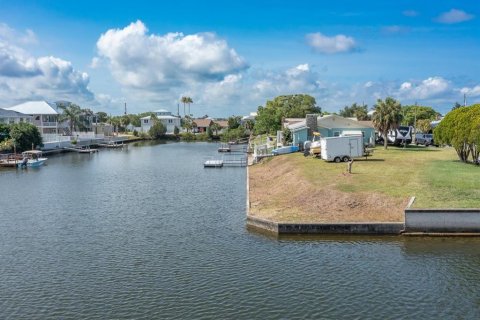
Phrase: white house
(44, 116)
(11, 117)
(165, 117)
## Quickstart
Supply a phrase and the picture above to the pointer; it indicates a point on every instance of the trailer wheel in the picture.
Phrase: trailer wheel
(346, 159)
(337, 159)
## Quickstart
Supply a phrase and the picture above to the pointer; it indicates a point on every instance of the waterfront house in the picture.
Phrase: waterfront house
(331, 125)
(11, 117)
(43, 114)
(201, 125)
(165, 117)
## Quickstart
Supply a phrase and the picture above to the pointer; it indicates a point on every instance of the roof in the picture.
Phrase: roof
(203, 122)
(11, 113)
(367, 123)
(162, 110)
(160, 117)
(334, 121)
(222, 123)
(34, 107)
(297, 126)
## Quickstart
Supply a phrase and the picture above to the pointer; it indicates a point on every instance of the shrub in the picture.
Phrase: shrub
(157, 131)
(187, 136)
(25, 135)
(202, 137)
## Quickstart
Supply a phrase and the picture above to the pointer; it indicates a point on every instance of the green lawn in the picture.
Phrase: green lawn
(433, 175)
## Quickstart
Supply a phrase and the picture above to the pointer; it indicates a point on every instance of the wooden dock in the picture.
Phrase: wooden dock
(82, 150)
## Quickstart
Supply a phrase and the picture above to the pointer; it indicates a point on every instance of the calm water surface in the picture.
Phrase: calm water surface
(149, 233)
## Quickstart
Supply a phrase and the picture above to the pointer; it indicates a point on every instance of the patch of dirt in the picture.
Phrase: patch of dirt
(280, 192)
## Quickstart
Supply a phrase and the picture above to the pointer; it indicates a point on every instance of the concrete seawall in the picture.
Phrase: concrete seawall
(325, 228)
(442, 220)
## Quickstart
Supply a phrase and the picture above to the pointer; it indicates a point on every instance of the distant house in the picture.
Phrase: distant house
(251, 117)
(43, 115)
(165, 117)
(331, 126)
(223, 124)
(201, 125)
(11, 117)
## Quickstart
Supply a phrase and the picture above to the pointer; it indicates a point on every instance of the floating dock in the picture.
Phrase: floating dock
(81, 150)
(213, 164)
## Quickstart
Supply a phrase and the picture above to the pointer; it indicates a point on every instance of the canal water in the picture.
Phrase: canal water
(148, 233)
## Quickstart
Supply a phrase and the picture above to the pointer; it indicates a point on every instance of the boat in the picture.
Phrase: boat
(32, 158)
(284, 150)
(315, 146)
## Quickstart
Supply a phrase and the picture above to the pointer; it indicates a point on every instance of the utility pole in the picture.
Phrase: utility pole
(125, 108)
(178, 109)
(414, 138)
(464, 99)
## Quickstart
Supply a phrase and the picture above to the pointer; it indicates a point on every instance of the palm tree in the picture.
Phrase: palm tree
(387, 116)
(71, 114)
(184, 100)
(215, 127)
(189, 101)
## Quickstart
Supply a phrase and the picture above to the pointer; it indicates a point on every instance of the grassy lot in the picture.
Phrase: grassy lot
(433, 175)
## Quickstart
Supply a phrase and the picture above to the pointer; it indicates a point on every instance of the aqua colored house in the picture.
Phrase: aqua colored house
(299, 133)
(333, 126)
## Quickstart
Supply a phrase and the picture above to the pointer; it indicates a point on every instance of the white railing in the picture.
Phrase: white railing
(51, 137)
(48, 124)
(87, 135)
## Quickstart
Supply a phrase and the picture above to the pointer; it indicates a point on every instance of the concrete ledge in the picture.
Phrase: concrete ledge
(446, 221)
(326, 228)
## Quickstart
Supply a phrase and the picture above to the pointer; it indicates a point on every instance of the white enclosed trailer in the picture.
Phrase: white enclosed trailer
(342, 148)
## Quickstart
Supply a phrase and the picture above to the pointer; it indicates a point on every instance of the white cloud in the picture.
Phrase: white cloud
(428, 88)
(472, 92)
(24, 77)
(299, 79)
(330, 45)
(454, 16)
(143, 61)
(13, 36)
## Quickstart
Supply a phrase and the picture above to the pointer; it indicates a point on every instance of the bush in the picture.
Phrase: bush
(187, 136)
(176, 131)
(135, 133)
(6, 145)
(143, 135)
(202, 137)
(4, 132)
(234, 134)
(157, 131)
(25, 135)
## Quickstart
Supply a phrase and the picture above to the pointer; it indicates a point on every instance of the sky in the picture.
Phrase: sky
(232, 56)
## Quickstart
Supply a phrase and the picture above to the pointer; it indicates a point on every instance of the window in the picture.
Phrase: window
(170, 121)
(336, 133)
(145, 121)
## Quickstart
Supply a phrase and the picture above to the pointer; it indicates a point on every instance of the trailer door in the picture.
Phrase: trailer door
(354, 147)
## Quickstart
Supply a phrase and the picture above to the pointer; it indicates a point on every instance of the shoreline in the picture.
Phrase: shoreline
(266, 213)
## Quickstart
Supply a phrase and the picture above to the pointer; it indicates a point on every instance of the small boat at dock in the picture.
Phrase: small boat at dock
(32, 158)
(284, 150)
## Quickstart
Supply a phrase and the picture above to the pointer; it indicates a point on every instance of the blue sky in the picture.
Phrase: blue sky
(231, 57)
